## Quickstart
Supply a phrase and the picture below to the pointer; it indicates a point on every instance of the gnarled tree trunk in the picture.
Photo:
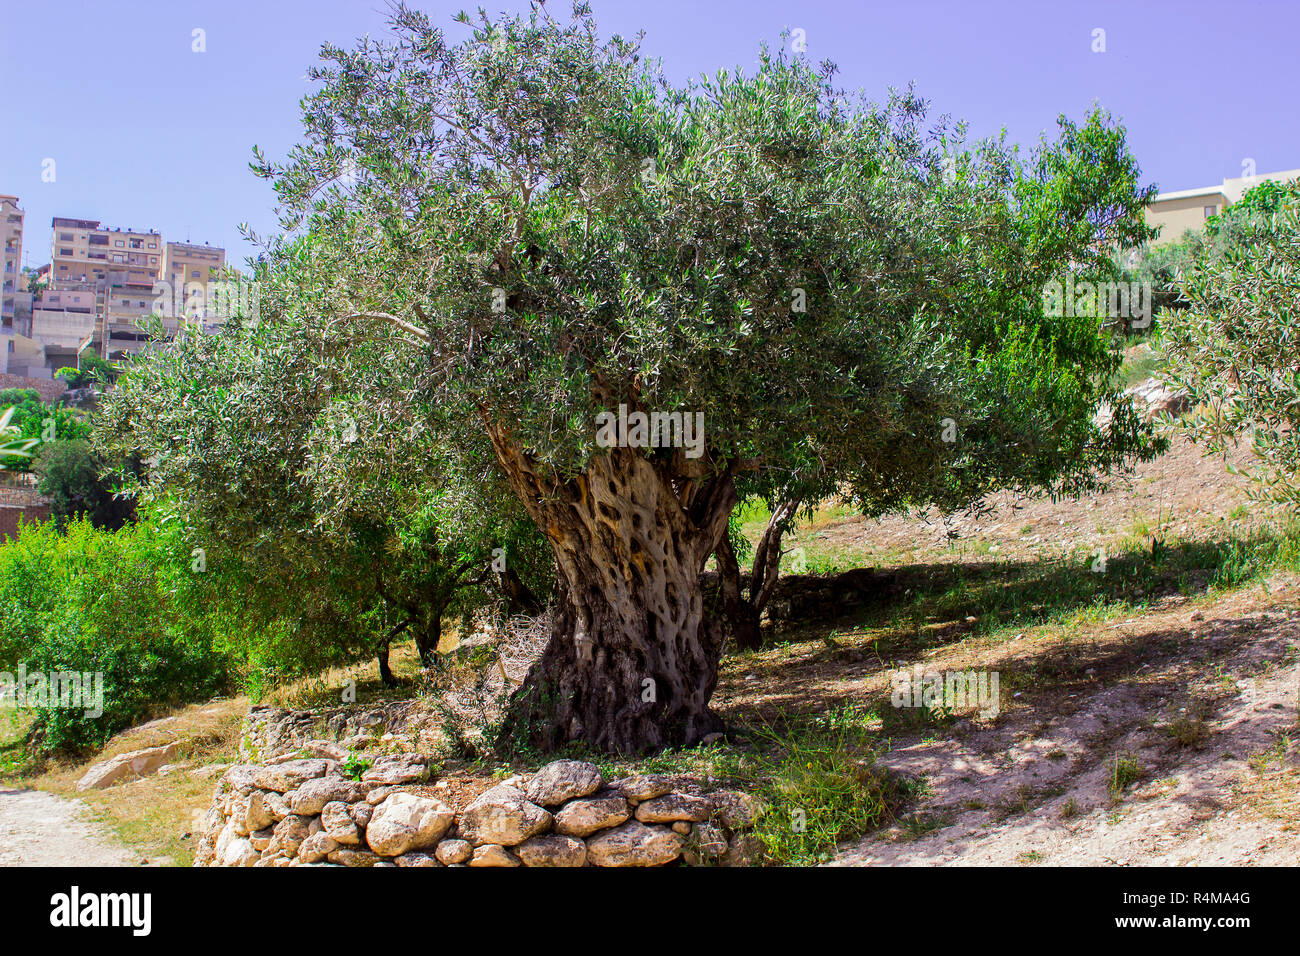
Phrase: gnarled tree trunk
(632, 660)
(744, 611)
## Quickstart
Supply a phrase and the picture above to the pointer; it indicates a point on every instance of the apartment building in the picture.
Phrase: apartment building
(81, 250)
(18, 354)
(116, 273)
(11, 258)
(185, 262)
(1187, 209)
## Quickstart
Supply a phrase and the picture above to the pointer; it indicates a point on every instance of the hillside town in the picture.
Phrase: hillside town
(99, 283)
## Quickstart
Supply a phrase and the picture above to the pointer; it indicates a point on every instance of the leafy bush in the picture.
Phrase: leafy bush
(123, 604)
(34, 420)
(93, 369)
(1234, 348)
(70, 476)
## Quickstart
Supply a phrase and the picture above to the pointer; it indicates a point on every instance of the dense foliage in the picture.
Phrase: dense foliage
(34, 421)
(296, 461)
(1234, 348)
(73, 477)
(125, 605)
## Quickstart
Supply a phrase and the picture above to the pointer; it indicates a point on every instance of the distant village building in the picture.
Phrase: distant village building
(1187, 209)
(99, 284)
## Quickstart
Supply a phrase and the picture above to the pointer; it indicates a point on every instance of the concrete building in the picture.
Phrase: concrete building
(81, 250)
(1187, 209)
(122, 269)
(11, 257)
(185, 262)
(19, 355)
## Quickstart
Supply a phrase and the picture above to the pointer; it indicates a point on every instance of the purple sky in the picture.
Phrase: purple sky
(1201, 86)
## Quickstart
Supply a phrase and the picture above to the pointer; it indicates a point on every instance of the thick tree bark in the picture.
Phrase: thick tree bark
(385, 672)
(428, 636)
(632, 659)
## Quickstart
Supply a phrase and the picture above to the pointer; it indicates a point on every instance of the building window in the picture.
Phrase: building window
(65, 237)
(118, 243)
(1210, 211)
(65, 252)
(195, 274)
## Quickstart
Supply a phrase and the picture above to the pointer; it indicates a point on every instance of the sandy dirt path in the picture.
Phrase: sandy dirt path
(40, 829)
(999, 796)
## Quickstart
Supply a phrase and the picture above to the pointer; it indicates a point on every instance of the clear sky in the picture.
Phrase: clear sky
(145, 133)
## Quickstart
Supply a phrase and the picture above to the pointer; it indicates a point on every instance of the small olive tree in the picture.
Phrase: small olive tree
(1234, 348)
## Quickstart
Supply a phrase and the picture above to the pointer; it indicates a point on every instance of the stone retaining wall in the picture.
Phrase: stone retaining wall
(307, 812)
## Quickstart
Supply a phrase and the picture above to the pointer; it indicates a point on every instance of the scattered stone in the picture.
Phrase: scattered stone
(552, 850)
(361, 813)
(406, 822)
(563, 780)
(502, 815)
(736, 810)
(707, 842)
(635, 844)
(641, 787)
(289, 834)
(264, 808)
(397, 769)
(312, 796)
(672, 807)
(347, 856)
(261, 839)
(316, 848)
(137, 763)
(493, 854)
(416, 859)
(451, 852)
(682, 827)
(338, 824)
(585, 816)
(291, 774)
(239, 852)
(326, 748)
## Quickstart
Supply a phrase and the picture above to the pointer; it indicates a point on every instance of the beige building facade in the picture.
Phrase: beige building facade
(11, 257)
(1175, 213)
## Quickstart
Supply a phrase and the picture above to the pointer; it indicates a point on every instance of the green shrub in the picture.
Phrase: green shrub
(33, 419)
(123, 604)
(70, 476)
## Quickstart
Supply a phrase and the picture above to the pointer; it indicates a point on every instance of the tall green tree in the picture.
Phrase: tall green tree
(843, 294)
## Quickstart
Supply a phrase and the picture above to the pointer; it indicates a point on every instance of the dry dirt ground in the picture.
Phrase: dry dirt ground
(1194, 697)
(40, 829)
(1198, 705)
